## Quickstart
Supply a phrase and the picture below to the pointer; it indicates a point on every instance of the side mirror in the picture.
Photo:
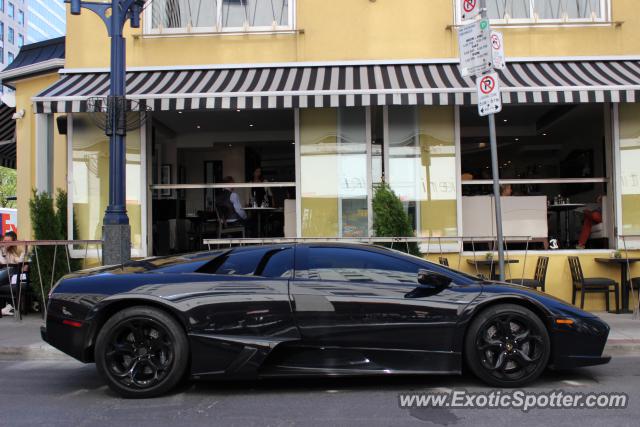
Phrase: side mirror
(433, 280)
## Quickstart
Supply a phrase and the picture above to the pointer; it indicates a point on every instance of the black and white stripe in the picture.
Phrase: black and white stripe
(350, 85)
(7, 137)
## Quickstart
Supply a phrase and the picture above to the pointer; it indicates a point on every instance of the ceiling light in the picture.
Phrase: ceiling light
(544, 134)
(198, 126)
(517, 139)
(238, 110)
(179, 112)
(505, 120)
(250, 125)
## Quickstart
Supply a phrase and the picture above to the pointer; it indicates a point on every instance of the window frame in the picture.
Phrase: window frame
(605, 6)
(148, 28)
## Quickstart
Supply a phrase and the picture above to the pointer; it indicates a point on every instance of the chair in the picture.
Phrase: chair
(443, 261)
(592, 284)
(539, 277)
(223, 228)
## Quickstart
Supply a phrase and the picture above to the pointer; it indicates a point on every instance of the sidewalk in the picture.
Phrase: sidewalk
(21, 339)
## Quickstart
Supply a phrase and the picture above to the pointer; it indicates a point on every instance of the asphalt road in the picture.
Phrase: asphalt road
(67, 393)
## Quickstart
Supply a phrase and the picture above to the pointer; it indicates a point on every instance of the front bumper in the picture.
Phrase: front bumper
(580, 344)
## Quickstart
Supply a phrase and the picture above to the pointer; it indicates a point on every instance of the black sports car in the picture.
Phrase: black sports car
(310, 309)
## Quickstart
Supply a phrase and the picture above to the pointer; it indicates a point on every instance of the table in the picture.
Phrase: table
(565, 208)
(259, 211)
(624, 279)
(493, 264)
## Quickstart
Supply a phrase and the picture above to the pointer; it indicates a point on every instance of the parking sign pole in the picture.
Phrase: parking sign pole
(495, 171)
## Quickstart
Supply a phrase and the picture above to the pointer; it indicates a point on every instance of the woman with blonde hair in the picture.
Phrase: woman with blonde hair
(12, 256)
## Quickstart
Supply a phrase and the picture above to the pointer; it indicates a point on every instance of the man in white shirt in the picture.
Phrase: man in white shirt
(238, 213)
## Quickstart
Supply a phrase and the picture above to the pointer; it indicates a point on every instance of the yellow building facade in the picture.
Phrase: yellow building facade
(388, 104)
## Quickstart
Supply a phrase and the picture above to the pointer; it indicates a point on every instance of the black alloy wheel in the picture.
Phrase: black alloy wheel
(507, 346)
(141, 352)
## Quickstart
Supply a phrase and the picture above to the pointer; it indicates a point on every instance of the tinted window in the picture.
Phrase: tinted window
(354, 265)
(239, 263)
(277, 263)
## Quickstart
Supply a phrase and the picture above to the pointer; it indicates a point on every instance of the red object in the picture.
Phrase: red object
(590, 218)
(72, 323)
(6, 225)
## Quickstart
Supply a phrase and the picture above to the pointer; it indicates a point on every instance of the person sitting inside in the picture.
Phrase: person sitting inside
(506, 190)
(228, 204)
(12, 257)
(590, 217)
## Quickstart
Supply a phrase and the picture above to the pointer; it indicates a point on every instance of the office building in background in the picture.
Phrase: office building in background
(45, 19)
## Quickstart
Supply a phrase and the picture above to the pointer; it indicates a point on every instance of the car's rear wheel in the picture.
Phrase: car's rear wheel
(507, 345)
(141, 352)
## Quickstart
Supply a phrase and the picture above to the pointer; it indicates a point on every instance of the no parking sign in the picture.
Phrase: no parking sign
(488, 89)
(469, 9)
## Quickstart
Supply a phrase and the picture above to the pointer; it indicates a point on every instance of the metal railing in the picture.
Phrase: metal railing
(635, 298)
(32, 252)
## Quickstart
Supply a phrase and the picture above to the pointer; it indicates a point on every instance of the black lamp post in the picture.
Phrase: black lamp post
(116, 231)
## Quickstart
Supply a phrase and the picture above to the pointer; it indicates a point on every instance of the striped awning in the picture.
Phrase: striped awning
(307, 86)
(7, 137)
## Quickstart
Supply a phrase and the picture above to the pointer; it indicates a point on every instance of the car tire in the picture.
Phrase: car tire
(141, 352)
(507, 345)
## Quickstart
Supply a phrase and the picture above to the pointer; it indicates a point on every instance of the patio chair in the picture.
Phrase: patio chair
(539, 277)
(226, 229)
(591, 285)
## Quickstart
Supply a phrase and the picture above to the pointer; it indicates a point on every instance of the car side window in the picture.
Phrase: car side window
(276, 263)
(239, 263)
(355, 265)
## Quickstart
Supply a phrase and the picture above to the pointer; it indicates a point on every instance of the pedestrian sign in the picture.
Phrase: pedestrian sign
(469, 9)
(497, 46)
(488, 89)
(474, 41)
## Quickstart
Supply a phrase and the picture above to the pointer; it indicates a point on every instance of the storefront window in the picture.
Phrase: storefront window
(333, 168)
(90, 180)
(630, 168)
(553, 175)
(422, 167)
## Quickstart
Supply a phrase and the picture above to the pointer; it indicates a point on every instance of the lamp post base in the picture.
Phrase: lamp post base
(116, 247)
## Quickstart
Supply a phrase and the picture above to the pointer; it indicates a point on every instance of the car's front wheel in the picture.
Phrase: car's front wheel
(141, 352)
(507, 345)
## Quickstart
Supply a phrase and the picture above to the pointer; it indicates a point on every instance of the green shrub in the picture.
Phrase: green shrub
(49, 224)
(390, 219)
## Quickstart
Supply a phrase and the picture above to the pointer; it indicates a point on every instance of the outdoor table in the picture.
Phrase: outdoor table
(565, 208)
(493, 264)
(624, 278)
(259, 211)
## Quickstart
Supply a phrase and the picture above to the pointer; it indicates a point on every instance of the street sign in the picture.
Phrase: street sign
(469, 9)
(497, 46)
(488, 89)
(474, 41)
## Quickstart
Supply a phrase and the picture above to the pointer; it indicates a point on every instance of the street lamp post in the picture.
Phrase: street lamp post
(116, 231)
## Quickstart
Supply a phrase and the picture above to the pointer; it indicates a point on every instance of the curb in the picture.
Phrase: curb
(32, 352)
(622, 348)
